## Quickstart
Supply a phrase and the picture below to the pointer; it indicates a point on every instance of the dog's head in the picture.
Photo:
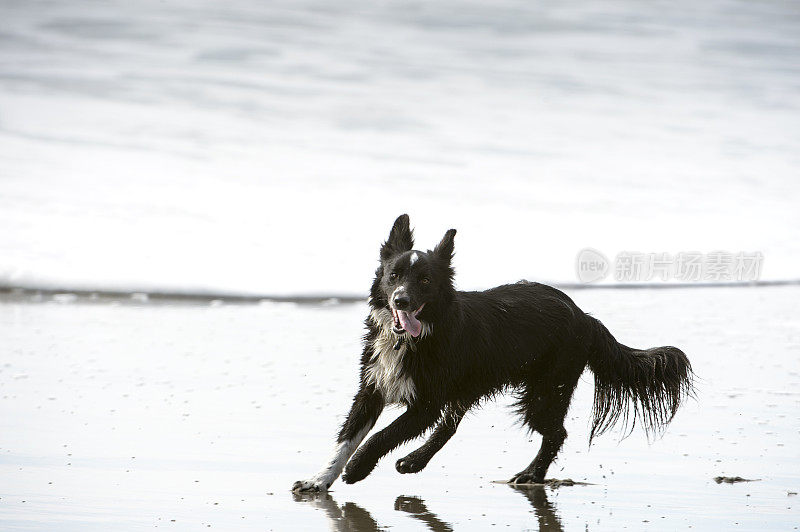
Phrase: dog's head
(411, 284)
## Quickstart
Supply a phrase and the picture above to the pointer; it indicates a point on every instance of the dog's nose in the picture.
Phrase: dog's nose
(401, 301)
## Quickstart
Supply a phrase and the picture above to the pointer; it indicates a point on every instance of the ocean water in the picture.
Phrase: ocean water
(266, 147)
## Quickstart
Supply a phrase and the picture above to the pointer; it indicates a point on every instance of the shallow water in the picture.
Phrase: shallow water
(129, 414)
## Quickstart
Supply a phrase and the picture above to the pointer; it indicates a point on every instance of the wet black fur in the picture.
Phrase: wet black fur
(526, 338)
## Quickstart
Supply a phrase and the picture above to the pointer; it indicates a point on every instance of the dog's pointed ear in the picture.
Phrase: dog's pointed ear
(444, 249)
(401, 238)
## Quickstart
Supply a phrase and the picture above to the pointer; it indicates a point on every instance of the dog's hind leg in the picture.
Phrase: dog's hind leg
(417, 460)
(543, 404)
(535, 472)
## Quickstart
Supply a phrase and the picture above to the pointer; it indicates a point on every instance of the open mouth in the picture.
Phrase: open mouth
(406, 321)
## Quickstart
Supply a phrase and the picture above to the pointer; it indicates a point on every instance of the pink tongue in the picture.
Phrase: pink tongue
(409, 323)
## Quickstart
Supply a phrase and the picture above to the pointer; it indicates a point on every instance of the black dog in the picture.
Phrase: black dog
(440, 352)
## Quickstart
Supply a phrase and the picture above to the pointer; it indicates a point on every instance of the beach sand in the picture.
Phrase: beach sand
(125, 413)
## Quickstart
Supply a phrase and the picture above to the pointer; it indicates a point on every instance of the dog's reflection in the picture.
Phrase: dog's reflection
(348, 518)
(543, 508)
(416, 507)
(351, 517)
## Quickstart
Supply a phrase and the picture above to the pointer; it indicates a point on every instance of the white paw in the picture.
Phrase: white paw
(313, 484)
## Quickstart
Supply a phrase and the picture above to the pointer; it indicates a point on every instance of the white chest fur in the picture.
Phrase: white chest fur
(385, 367)
(384, 370)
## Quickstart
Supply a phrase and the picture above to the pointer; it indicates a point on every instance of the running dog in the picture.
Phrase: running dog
(440, 352)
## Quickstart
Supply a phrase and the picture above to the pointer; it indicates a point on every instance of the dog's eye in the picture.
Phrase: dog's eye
(392, 276)
(425, 280)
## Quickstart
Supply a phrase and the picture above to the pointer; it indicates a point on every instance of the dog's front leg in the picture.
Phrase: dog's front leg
(367, 406)
(412, 423)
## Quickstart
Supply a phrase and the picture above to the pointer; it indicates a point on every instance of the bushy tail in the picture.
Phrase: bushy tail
(644, 385)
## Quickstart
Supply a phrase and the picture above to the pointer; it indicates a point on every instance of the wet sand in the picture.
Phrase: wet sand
(126, 414)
